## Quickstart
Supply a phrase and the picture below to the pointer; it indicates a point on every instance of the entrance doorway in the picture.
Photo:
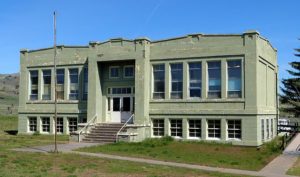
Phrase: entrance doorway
(121, 108)
(120, 105)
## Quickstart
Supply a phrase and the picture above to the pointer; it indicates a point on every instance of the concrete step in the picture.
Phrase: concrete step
(98, 140)
(101, 136)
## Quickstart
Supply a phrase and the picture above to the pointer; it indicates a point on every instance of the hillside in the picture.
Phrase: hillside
(9, 93)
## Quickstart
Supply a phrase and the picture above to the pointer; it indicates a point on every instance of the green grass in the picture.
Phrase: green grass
(295, 170)
(17, 164)
(202, 153)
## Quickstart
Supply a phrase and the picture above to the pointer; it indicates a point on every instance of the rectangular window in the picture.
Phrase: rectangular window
(159, 81)
(272, 128)
(85, 83)
(34, 80)
(46, 124)
(32, 124)
(195, 128)
(195, 74)
(268, 128)
(234, 129)
(176, 127)
(214, 128)
(128, 72)
(60, 125)
(60, 84)
(234, 79)
(262, 129)
(158, 127)
(47, 85)
(73, 94)
(121, 90)
(114, 72)
(176, 80)
(72, 124)
(214, 79)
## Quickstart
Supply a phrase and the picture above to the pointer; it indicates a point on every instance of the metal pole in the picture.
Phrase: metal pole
(55, 94)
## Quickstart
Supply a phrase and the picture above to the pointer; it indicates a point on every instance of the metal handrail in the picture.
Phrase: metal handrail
(131, 117)
(88, 123)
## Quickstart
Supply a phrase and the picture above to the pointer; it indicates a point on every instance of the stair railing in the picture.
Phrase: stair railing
(88, 124)
(117, 135)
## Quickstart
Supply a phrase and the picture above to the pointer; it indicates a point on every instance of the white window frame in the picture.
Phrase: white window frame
(176, 81)
(153, 81)
(30, 125)
(227, 78)
(60, 126)
(190, 81)
(194, 128)
(159, 127)
(234, 129)
(72, 126)
(45, 125)
(30, 85)
(128, 66)
(214, 128)
(176, 128)
(111, 67)
(78, 84)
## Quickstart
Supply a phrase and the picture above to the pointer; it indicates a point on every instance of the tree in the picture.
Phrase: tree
(291, 89)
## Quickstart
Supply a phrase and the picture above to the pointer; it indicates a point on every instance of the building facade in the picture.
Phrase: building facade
(197, 87)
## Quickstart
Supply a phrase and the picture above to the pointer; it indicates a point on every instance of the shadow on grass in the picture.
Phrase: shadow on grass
(11, 132)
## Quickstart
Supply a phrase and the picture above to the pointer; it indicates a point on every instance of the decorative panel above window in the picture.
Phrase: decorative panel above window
(214, 79)
(176, 80)
(234, 79)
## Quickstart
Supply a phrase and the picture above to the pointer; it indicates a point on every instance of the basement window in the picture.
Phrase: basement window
(32, 124)
(234, 129)
(46, 124)
(176, 127)
(72, 124)
(60, 125)
(158, 127)
(214, 129)
(195, 128)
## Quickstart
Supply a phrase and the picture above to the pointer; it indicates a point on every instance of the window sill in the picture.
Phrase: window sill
(193, 100)
(216, 139)
(52, 102)
(194, 138)
(234, 139)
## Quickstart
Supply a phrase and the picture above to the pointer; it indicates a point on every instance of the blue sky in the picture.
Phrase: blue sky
(28, 24)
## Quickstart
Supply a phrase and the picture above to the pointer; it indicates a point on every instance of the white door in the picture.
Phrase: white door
(121, 109)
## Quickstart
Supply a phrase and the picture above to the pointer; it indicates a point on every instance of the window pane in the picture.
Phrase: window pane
(128, 71)
(176, 77)
(234, 78)
(159, 81)
(214, 79)
(195, 74)
(114, 72)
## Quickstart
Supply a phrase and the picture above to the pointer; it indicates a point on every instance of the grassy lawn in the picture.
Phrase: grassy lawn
(295, 170)
(17, 164)
(202, 153)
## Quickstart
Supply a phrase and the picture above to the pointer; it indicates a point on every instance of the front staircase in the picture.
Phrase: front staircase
(103, 133)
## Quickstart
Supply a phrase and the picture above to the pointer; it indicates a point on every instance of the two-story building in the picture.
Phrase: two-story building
(220, 87)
